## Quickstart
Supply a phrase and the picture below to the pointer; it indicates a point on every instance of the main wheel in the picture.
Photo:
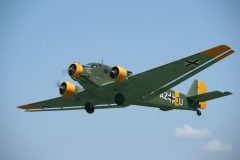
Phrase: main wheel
(89, 108)
(119, 99)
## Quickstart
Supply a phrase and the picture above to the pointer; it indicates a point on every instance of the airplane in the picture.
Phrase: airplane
(105, 87)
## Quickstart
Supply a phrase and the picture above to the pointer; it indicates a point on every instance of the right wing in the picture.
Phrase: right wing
(77, 101)
(60, 102)
(74, 108)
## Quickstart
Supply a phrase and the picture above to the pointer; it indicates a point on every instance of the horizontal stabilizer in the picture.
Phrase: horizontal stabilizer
(208, 96)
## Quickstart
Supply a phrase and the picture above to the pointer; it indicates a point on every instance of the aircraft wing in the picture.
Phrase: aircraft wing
(74, 108)
(70, 103)
(157, 80)
(58, 102)
(163, 78)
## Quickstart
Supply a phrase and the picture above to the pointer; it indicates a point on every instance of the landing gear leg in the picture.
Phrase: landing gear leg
(89, 108)
(198, 112)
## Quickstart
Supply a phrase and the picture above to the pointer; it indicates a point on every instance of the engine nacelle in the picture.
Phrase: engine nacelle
(119, 74)
(74, 70)
(67, 89)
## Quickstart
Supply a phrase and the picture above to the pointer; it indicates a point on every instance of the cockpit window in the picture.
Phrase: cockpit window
(93, 65)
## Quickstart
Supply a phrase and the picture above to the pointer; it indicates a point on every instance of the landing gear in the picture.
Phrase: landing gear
(119, 99)
(198, 112)
(89, 108)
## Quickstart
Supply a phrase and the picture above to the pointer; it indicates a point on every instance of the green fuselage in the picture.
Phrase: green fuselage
(98, 74)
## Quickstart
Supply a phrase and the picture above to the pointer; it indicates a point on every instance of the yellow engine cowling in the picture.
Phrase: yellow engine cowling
(74, 70)
(67, 89)
(119, 74)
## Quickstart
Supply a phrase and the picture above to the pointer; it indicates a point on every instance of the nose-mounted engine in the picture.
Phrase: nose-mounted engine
(119, 74)
(74, 70)
(67, 89)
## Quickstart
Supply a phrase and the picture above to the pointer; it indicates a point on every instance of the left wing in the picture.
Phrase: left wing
(148, 84)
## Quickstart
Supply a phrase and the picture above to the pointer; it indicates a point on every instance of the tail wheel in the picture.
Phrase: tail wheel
(89, 108)
(119, 99)
(198, 112)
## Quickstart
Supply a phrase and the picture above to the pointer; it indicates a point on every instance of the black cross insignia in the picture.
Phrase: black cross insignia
(189, 63)
(171, 98)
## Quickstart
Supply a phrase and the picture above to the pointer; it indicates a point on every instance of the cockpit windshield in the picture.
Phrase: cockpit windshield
(93, 65)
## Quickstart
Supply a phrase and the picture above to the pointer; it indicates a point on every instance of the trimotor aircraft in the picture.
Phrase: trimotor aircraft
(106, 87)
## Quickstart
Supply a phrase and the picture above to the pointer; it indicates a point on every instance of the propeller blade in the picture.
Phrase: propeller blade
(58, 84)
(64, 72)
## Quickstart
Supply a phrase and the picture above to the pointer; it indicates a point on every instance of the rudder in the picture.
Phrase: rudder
(198, 87)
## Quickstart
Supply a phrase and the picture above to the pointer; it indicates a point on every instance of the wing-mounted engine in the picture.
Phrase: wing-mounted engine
(74, 70)
(119, 74)
(67, 89)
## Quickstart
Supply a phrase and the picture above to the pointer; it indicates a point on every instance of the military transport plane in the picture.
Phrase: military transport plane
(106, 87)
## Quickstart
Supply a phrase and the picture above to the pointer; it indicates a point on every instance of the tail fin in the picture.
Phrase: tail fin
(198, 87)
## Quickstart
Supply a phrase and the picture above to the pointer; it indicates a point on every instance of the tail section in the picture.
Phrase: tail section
(197, 88)
(208, 96)
(198, 94)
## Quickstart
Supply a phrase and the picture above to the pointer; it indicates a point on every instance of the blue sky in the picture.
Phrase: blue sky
(39, 39)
